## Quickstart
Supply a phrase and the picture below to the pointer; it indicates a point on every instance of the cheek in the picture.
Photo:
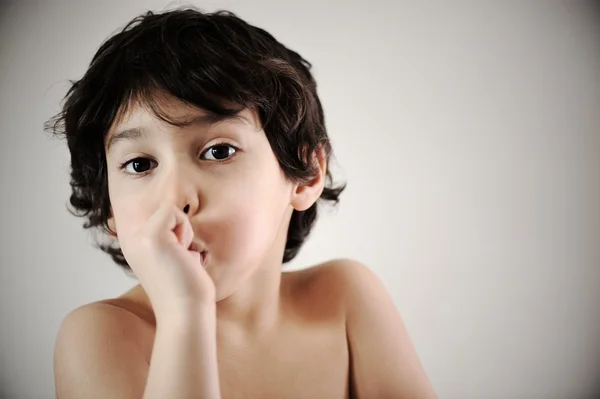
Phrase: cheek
(129, 216)
(129, 207)
(252, 211)
(250, 214)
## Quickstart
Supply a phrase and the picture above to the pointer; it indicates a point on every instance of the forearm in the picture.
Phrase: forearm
(184, 358)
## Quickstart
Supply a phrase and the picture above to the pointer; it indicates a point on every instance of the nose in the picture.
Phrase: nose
(178, 187)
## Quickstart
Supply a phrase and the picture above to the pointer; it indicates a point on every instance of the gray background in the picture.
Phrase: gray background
(469, 134)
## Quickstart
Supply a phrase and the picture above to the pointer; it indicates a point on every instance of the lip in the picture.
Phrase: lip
(195, 247)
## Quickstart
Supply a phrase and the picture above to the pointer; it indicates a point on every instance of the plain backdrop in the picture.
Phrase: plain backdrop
(468, 134)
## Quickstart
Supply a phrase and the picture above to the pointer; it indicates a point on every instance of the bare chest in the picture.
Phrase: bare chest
(303, 364)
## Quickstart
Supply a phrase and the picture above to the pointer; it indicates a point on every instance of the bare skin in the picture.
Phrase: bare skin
(222, 320)
(337, 335)
(303, 354)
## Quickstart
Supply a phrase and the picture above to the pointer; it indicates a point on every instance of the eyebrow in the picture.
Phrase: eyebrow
(210, 119)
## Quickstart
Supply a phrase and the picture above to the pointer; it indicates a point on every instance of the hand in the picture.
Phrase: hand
(172, 275)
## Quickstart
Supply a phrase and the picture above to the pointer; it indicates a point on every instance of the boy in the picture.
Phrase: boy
(198, 143)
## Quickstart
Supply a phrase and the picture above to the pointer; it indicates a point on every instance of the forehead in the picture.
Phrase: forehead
(133, 122)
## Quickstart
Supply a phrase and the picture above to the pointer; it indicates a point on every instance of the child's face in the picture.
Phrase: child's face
(240, 201)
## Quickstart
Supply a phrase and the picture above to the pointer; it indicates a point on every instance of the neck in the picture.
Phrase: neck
(255, 307)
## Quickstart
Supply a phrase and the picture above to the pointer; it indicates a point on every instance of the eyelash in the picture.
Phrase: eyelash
(123, 165)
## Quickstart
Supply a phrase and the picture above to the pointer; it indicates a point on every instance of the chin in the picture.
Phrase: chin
(224, 291)
(229, 280)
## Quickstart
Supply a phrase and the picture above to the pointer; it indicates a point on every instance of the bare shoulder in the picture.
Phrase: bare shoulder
(332, 268)
(99, 351)
(90, 324)
(384, 362)
(343, 276)
(332, 285)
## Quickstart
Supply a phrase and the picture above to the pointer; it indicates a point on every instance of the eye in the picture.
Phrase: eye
(219, 152)
(137, 166)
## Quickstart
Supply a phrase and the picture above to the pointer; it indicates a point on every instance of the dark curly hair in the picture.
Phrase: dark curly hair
(214, 61)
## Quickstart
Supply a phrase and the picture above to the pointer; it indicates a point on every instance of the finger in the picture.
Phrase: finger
(166, 220)
(184, 232)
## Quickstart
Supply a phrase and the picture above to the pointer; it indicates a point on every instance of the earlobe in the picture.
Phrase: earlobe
(112, 228)
(307, 193)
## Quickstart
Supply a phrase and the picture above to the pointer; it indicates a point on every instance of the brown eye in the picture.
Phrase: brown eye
(219, 152)
(138, 166)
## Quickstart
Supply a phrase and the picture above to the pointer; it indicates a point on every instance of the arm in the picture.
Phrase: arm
(184, 358)
(384, 361)
(97, 356)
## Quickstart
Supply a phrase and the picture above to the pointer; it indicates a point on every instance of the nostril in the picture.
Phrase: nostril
(186, 209)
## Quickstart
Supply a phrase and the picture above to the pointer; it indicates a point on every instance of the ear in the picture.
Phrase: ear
(306, 194)
(112, 227)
